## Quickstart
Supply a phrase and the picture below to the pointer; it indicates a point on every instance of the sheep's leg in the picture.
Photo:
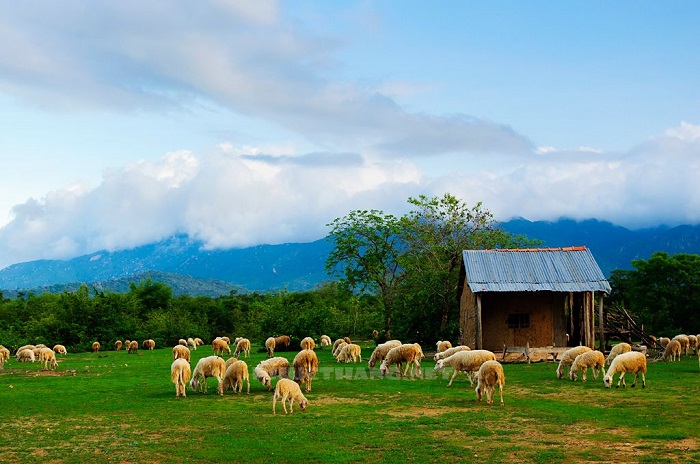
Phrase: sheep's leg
(634, 384)
(585, 371)
(274, 403)
(621, 380)
(644, 381)
(454, 374)
(500, 387)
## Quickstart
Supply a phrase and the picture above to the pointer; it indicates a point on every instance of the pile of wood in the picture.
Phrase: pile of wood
(621, 325)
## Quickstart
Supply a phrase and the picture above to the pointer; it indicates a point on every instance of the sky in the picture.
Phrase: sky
(241, 123)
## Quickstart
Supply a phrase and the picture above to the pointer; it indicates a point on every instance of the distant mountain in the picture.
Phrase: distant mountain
(189, 268)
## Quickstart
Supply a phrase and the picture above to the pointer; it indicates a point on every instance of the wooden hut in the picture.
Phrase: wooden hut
(530, 297)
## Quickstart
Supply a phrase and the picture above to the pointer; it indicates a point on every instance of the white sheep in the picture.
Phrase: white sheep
(632, 362)
(25, 347)
(305, 367)
(272, 367)
(242, 346)
(408, 353)
(350, 352)
(4, 354)
(685, 342)
(325, 341)
(450, 352)
(191, 344)
(567, 358)
(338, 342)
(380, 352)
(25, 355)
(465, 361)
(693, 342)
(211, 366)
(663, 341)
(180, 374)
(673, 350)
(593, 359)
(270, 346)
(618, 350)
(60, 349)
(219, 345)
(182, 342)
(236, 374)
(489, 375)
(338, 348)
(198, 341)
(288, 390)
(47, 357)
(443, 345)
(181, 352)
(307, 343)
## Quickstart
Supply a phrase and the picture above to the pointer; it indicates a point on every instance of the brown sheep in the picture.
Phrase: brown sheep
(95, 347)
(133, 347)
(117, 345)
(305, 367)
(149, 344)
(180, 373)
(270, 346)
(181, 352)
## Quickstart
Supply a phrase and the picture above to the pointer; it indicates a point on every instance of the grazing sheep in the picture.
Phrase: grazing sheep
(117, 345)
(307, 343)
(4, 354)
(26, 355)
(236, 374)
(149, 344)
(180, 374)
(450, 352)
(338, 342)
(37, 351)
(25, 347)
(288, 390)
(133, 347)
(127, 343)
(693, 342)
(380, 352)
(270, 346)
(305, 367)
(60, 349)
(685, 342)
(211, 366)
(95, 347)
(48, 357)
(268, 368)
(593, 359)
(182, 342)
(663, 341)
(220, 345)
(632, 362)
(443, 345)
(350, 352)
(673, 349)
(191, 344)
(325, 341)
(618, 350)
(181, 352)
(408, 353)
(226, 339)
(282, 342)
(242, 346)
(198, 341)
(489, 375)
(339, 348)
(567, 359)
(347, 340)
(465, 361)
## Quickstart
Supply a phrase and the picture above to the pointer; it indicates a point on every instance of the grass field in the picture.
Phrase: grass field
(114, 407)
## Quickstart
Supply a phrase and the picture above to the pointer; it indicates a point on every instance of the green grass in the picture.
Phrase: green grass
(122, 408)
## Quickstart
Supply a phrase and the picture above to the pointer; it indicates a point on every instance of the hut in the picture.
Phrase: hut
(530, 297)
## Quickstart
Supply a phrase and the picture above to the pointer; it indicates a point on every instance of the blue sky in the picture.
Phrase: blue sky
(242, 123)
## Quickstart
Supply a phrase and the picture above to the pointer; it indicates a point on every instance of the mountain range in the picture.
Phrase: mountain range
(188, 268)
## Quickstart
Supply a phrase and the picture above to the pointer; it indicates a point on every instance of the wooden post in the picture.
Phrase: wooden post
(601, 322)
(478, 322)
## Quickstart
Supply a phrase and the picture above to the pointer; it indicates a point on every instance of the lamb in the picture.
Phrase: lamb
(350, 352)
(242, 346)
(191, 344)
(270, 346)
(211, 366)
(180, 374)
(220, 345)
(443, 345)
(288, 390)
(25, 355)
(489, 375)
(593, 359)
(450, 352)
(408, 353)
(465, 361)
(268, 368)
(117, 345)
(307, 343)
(632, 362)
(305, 367)
(325, 341)
(181, 352)
(618, 350)
(235, 375)
(149, 344)
(60, 349)
(95, 347)
(380, 352)
(672, 350)
(48, 357)
(567, 359)
(133, 347)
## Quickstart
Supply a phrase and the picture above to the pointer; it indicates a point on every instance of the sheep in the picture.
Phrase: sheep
(198, 341)
(305, 367)
(443, 345)
(181, 352)
(226, 339)
(325, 341)
(60, 349)
(568, 358)
(210, 366)
(465, 361)
(48, 357)
(191, 344)
(133, 347)
(288, 389)
(685, 342)
(338, 342)
(380, 352)
(149, 344)
(180, 374)
(25, 355)
(4, 354)
(450, 352)
(270, 346)
(182, 342)
(95, 347)
(268, 368)
(617, 350)
(347, 340)
(235, 375)
(127, 343)
(117, 345)
(242, 346)
(282, 342)
(307, 343)
(37, 351)
(350, 352)
(408, 353)
(693, 342)
(593, 359)
(489, 375)
(672, 350)
(220, 345)
(632, 362)
(339, 348)
(663, 341)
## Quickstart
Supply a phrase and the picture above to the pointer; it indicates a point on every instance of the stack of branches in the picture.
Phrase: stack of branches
(620, 324)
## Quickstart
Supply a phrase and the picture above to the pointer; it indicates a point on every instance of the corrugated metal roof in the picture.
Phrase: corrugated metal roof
(570, 269)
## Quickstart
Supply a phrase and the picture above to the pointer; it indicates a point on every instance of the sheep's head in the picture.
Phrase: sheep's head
(560, 372)
(383, 368)
(439, 364)
(572, 375)
(607, 380)
(303, 404)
